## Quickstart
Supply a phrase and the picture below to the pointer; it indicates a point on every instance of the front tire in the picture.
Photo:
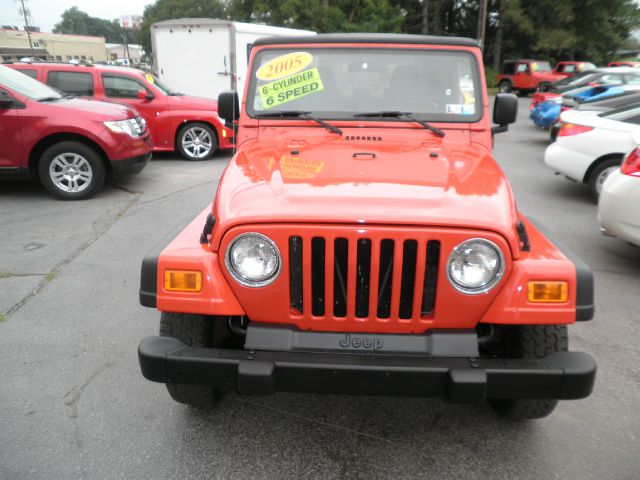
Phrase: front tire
(196, 141)
(71, 170)
(530, 341)
(195, 331)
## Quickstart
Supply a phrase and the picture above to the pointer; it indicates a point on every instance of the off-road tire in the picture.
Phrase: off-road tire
(68, 149)
(195, 331)
(531, 341)
(593, 179)
(505, 86)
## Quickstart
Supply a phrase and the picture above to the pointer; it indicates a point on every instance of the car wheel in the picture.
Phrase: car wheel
(195, 331)
(197, 141)
(530, 341)
(523, 93)
(505, 86)
(553, 134)
(71, 171)
(600, 173)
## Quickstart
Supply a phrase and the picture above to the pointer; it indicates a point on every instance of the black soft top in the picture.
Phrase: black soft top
(368, 38)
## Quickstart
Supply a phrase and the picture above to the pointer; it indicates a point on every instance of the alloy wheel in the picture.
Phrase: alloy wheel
(196, 142)
(70, 172)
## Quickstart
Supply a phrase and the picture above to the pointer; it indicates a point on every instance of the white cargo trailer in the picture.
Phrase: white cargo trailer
(203, 56)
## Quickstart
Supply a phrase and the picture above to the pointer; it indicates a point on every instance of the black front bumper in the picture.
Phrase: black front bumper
(563, 375)
(131, 165)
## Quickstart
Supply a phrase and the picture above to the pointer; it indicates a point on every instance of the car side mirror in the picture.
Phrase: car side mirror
(505, 111)
(142, 94)
(228, 107)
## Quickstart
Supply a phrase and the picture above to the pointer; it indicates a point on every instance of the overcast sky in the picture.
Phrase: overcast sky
(46, 13)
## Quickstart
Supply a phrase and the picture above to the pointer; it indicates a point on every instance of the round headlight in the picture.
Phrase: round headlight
(253, 260)
(475, 266)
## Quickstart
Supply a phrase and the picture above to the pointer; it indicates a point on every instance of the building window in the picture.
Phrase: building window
(91, 59)
(82, 57)
(69, 57)
(58, 58)
(76, 83)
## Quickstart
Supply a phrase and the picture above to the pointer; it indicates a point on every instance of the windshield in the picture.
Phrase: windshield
(541, 66)
(152, 79)
(26, 86)
(339, 83)
(622, 114)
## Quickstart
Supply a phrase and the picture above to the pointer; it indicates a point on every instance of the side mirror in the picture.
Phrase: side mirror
(142, 94)
(505, 111)
(228, 107)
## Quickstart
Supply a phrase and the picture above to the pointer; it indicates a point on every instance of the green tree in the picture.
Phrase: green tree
(74, 21)
(169, 9)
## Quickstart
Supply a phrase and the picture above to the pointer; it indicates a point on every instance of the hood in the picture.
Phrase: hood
(187, 102)
(550, 76)
(95, 108)
(395, 176)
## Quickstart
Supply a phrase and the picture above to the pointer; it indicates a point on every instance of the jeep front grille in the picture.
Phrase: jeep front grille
(351, 276)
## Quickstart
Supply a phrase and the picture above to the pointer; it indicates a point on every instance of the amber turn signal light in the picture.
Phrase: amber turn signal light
(548, 292)
(182, 281)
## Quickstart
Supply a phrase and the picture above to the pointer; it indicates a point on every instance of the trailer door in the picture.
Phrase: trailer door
(194, 60)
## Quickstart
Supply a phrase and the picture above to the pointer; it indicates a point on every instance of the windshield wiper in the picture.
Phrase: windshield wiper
(48, 99)
(175, 94)
(407, 115)
(299, 114)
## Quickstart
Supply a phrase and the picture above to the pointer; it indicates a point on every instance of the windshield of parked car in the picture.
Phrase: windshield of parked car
(623, 114)
(152, 79)
(341, 83)
(541, 66)
(26, 86)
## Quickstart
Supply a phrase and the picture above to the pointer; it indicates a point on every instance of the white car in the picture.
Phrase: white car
(618, 210)
(591, 145)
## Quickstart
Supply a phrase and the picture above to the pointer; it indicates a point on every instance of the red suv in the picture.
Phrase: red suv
(68, 143)
(189, 125)
(525, 76)
(570, 68)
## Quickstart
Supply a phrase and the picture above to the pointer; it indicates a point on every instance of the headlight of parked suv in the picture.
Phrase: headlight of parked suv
(475, 266)
(253, 260)
(135, 127)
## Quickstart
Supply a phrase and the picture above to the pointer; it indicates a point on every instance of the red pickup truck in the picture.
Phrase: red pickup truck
(524, 76)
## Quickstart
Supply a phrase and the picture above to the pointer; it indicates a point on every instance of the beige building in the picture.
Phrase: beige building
(116, 52)
(14, 45)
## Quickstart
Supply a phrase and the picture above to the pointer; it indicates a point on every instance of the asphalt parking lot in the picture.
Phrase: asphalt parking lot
(74, 405)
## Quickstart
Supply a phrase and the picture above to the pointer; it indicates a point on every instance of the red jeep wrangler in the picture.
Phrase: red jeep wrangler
(525, 76)
(364, 240)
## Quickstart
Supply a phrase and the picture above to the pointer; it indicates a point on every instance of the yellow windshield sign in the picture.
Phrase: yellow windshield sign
(284, 65)
(291, 88)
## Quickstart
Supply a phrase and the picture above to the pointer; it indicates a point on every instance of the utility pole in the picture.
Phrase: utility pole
(482, 22)
(25, 14)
